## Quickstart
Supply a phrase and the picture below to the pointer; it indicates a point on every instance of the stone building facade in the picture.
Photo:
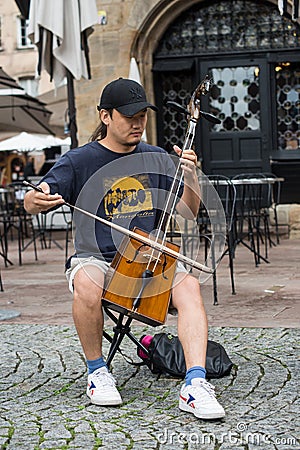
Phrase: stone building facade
(18, 56)
(133, 28)
(136, 28)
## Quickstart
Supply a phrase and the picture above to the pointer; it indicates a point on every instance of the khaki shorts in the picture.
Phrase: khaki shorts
(78, 263)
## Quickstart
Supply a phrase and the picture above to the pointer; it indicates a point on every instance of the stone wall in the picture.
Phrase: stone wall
(294, 220)
(110, 52)
(288, 217)
(133, 28)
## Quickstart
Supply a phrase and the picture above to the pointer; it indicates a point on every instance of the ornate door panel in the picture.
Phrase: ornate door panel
(239, 98)
(175, 86)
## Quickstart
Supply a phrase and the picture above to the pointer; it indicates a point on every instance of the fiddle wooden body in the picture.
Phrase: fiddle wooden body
(124, 281)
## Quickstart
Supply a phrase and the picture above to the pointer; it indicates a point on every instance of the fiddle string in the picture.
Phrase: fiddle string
(171, 203)
(167, 212)
(169, 216)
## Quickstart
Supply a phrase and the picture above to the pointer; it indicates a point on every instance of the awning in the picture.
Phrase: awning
(19, 111)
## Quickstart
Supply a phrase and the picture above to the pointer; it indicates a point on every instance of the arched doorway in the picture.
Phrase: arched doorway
(251, 52)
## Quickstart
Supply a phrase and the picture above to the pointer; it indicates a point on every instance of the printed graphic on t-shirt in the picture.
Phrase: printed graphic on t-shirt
(127, 196)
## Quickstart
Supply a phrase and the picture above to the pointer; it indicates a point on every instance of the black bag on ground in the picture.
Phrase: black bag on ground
(166, 357)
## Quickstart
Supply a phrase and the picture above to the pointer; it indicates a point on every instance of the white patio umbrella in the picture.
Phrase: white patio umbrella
(53, 141)
(19, 111)
(60, 29)
(26, 142)
(23, 142)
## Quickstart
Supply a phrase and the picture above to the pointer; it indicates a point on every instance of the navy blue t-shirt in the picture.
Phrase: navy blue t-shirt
(127, 189)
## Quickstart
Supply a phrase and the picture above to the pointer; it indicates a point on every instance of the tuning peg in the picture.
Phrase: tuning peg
(179, 108)
(210, 117)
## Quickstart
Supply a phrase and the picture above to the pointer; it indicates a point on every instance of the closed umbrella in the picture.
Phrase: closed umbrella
(19, 111)
(60, 29)
(23, 6)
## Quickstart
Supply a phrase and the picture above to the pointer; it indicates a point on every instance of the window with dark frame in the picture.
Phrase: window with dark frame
(23, 40)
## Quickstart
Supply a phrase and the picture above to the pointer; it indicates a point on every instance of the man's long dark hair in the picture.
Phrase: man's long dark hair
(101, 130)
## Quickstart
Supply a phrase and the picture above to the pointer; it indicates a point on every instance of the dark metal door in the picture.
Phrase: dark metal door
(240, 98)
(249, 49)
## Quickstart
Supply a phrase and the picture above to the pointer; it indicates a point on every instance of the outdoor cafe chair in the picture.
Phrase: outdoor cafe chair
(275, 192)
(252, 213)
(265, 204)
(6, 221)
(218, 241)
(16, 222)
(66, 215)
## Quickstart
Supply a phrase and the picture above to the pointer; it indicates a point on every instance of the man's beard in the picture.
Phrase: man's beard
(133, 142)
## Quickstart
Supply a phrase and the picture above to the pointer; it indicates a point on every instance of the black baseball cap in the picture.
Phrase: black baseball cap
(126, 96)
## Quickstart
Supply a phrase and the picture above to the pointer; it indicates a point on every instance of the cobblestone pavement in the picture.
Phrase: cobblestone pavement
(43, 374)
(44, 406)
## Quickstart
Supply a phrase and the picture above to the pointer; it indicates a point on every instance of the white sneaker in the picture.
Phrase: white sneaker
(199, 399)
(101, 388)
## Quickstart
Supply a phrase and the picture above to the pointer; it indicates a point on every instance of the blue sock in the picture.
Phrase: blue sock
(94, 364)
(194, 372)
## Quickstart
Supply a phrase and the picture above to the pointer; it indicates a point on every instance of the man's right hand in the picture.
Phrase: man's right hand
(36, 202)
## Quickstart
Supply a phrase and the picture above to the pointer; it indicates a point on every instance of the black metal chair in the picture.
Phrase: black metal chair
(218, 236)
(121, 329)
(252, 213)
(66, 224)
(4, 222)
(16, 221)
(275, 190)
